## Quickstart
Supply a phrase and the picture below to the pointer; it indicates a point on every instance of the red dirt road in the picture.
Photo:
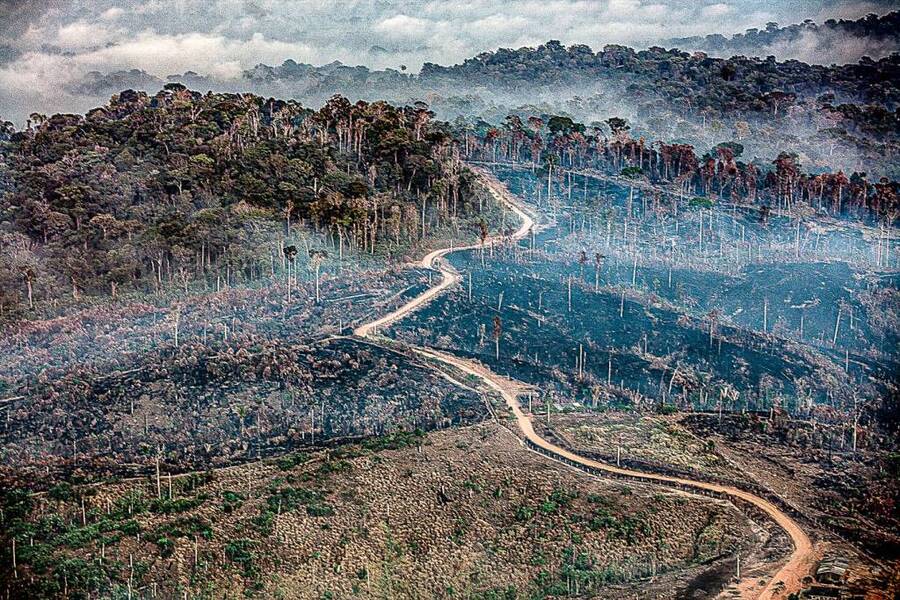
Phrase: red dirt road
(789, 576)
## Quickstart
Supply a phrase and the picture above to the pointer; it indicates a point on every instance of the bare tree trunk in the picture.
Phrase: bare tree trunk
(158, 484)
(549, 172)
(317, 283)
(837, 325)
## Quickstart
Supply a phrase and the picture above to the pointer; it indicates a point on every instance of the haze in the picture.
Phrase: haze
(47, 47)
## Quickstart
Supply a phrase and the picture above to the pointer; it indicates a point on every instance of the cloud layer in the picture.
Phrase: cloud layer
(47, 47)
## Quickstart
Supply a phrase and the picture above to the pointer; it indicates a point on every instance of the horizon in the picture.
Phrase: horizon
(51, 47)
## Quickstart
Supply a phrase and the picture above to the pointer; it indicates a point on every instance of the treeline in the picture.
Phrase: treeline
(883, 29)
(552, 141)
(149, 192)
(852, 110)
(695, 80)
(846, 115)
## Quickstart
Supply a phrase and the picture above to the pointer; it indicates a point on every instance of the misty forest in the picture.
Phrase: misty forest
(546, 322)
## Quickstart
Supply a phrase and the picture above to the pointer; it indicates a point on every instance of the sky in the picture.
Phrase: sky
(47, 45)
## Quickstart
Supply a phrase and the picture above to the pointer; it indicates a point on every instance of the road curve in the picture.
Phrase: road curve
(786, 580)
(448, 276)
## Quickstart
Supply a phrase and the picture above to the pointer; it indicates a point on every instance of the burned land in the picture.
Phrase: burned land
(646, 375)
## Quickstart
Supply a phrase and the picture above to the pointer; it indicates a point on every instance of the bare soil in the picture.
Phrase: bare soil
(462, 513)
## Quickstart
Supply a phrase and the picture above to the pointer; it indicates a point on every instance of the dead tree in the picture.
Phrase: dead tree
(498, 330)
(316, 257)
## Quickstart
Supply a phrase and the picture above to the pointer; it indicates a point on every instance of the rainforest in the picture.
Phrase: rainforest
(548, 322)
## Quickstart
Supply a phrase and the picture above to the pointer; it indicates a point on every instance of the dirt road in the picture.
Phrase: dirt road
(449, 276)
(788, 577)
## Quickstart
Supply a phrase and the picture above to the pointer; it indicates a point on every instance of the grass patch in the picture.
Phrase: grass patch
(231, 501)
(185, 527)
(625, 527)
(241, 553)
(289, 461)
(166, 506)
(287, 499)
(64, 492)
(395, 441)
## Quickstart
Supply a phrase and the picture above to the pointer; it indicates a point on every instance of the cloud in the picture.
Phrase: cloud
(112, 14)
(18, 15)
(81, 35)
(827, 46)
(655, 11)
(622, 8)
(403, 27)
(47, 45)
(716, 10)
(154, 53)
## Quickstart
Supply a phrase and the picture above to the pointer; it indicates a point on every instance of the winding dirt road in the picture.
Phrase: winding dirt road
(449, 276)
(789, 576)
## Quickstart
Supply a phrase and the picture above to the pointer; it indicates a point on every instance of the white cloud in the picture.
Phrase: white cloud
(81, 35)
(655, 11)
(717, 10)
(112, 14)
(404, 27)
(162, 55)
(622, 8)
(493, 26)
(223, 37)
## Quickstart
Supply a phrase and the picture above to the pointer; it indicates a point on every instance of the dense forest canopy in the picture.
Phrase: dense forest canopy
(836, 117)
(181, 186)
(851, 107)
(835, 37)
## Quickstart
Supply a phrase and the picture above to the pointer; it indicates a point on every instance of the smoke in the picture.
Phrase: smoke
(52, 50)
(17, 15)
(60, 56)
(828, 47)
(831, 40)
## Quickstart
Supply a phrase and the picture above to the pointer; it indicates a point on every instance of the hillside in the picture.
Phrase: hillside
(182, 190)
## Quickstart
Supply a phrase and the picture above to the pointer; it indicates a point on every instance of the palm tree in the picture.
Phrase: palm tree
(536, 124)
(633, 175)
(803, 306)
(840, 181)
(713, 317)
(28, 276)
(241, 412)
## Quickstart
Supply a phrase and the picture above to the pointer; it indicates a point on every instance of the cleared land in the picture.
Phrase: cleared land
(848, 494)
(349, 523)
(788, 577)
